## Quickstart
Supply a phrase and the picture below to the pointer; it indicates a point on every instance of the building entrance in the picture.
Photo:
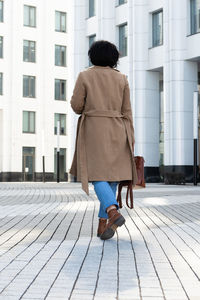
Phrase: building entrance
(28, 164)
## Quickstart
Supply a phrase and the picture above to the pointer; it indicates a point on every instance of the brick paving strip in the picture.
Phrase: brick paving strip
(49, 249)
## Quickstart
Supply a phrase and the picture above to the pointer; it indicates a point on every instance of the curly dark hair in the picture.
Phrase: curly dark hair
(103, 53)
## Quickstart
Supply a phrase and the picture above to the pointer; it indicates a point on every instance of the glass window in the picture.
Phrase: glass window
(157, 28)
(28, 121)
(60, 89)
(1, 83)
(60, 55)
(60, 21)
(1, 11)
(1, 47)
(122, 2)
(91, 41)
(29, 86)
(62, 119)
(29, 16)
(195, 16)
(28, 163)
(29, 51)
(62, 163)
(91, 8)
(123, 33)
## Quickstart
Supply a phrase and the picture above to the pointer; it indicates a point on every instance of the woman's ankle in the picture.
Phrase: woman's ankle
(111, 207)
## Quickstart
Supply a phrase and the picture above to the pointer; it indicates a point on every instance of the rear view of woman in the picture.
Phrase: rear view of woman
(105, 134)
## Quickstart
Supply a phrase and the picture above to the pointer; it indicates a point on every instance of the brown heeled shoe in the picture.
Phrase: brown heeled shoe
(115, 220)
(101, 226)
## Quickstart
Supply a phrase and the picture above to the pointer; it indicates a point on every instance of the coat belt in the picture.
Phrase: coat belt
(81, 149)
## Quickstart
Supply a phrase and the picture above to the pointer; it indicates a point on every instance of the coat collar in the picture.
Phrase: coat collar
(104, 67)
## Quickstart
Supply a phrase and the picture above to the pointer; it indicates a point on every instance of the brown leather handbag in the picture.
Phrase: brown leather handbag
(139, 161)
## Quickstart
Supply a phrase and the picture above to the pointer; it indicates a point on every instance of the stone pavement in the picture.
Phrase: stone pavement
(49, 249)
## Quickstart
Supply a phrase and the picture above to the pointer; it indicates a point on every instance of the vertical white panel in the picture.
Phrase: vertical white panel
(1, 138)
(180, 81)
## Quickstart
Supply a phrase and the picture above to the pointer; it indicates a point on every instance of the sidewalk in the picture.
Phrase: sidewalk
(49, 249)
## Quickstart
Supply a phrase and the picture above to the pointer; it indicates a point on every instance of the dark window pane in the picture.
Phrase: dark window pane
(60, 89)
(26, 51)
(123, 30)
(57, 21)
(60, 55)
(32, 51)
(28, 121)
(32, 86)
(29, 16)
(91, 41)
(26, 15)
(62, 119)
(25, 121)
(29, 86)
(25, 86)
(62, 124)
(62, 158)
(56, 118)
(57, 89)
(63, 56)
(1, 11)
(63, 22)
(157, 28)
(63, 88)
(91, 8)
(32, 121)
(195, 16)
(32, 16)
(60, 21)
(57, 55)
(122, 2)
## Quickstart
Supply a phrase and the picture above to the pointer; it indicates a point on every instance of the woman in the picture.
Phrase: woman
(105, 134)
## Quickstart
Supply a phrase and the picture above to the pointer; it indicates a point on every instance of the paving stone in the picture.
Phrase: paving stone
(49, 247)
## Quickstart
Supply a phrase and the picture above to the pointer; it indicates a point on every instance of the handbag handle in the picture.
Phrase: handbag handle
(119, 197)
(129, 191)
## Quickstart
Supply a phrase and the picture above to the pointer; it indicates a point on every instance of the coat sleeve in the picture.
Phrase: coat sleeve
(126, 107)
(79, 94)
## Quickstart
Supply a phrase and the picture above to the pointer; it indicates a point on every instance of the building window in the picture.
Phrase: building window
(91, 41)
(122, 2)
(28, 163)
(62, 119)
(91, 8)
(29, 51)
(157, 28)
(28, 122)
(123, 33)
(1, 83)
(60, 21)
(195, 16)
(60, 89)
(29, 86)
(1, 47)
(29, 16)
(1, 11)
(62, 163)
(60, 55)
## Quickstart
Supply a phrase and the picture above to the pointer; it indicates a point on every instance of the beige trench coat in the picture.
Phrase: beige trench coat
(105, 133)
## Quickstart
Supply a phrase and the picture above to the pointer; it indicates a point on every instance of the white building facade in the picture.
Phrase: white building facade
(33, 88)
(44, 46)
(159, 44)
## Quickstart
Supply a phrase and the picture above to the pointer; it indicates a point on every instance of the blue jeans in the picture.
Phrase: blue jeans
(106, 193)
